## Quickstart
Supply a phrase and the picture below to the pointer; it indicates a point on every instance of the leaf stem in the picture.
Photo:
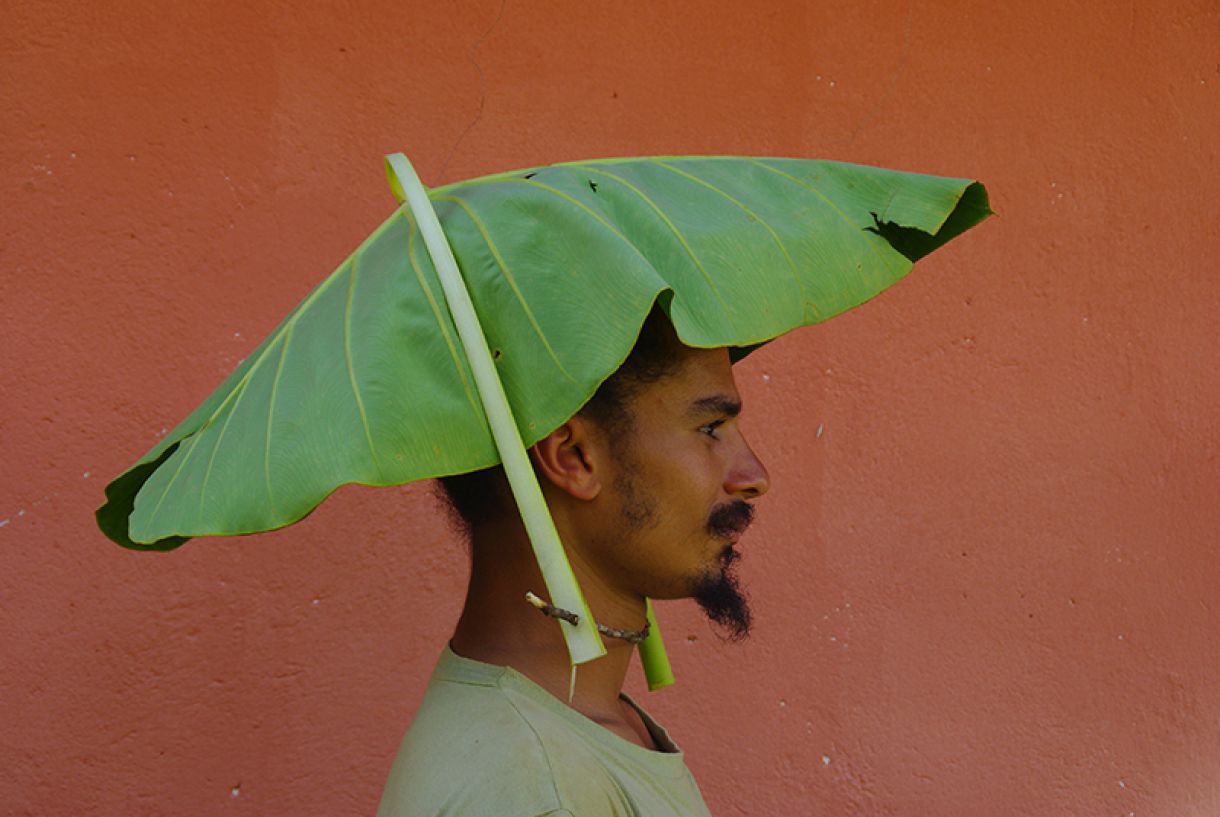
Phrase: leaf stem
(653, 657)
(583, 642)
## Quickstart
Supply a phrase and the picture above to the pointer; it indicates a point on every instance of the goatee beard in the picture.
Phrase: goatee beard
(719, 592)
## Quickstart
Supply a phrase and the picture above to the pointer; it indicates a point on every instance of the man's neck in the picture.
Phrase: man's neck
(498, 626)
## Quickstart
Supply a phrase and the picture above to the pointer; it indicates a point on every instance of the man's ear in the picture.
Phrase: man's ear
(563, 459)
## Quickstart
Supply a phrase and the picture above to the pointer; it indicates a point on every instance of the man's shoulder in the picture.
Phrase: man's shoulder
(488, 741)
(478, 748)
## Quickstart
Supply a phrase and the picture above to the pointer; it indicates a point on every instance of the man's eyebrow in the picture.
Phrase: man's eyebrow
(715, 404)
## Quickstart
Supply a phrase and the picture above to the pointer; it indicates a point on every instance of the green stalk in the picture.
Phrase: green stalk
(653, 656)
(584, 643)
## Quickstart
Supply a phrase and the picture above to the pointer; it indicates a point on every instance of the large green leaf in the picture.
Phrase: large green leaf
(365, 380)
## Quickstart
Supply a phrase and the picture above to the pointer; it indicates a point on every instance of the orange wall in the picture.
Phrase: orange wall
(987, 576)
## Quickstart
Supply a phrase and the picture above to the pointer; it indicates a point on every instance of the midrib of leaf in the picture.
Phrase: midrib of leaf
(351, 371)
(887, 263)
(275, 387)
(512, 282)
(673, 228)
(796, 276)
(436, 314)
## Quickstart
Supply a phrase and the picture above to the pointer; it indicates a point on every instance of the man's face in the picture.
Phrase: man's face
(683, 476)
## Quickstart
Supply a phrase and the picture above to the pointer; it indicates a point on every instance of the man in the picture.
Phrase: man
(649, 486)
(649, 483)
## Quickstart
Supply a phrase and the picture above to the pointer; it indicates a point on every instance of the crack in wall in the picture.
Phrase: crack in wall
(478, 115)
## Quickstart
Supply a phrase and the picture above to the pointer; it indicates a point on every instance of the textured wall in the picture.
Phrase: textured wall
(987, 575)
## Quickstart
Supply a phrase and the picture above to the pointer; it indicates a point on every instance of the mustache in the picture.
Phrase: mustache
(730, 520)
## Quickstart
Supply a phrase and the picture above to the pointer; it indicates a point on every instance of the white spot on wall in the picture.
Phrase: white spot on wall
(85, 475)
(821, 427)
(236, 790)
(825, 760)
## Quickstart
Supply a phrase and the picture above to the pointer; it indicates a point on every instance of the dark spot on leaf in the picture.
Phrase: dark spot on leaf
(495, 354)
(593, 185)
(529, 175)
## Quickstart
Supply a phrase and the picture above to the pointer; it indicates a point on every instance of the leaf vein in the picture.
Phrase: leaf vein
(796, 276)
(593, 213)
(512, 282)
(888, 263)
(434, 305)
(207, 475)
(351, 370)
(275, 387)
(711, 282)
(181, 464)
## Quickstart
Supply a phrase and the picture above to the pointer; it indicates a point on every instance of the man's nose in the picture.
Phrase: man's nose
(748, 477)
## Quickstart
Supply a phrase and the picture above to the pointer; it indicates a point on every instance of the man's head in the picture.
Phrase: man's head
(649, 483)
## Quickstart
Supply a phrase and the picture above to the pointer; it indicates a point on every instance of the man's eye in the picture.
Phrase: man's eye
(711, 428)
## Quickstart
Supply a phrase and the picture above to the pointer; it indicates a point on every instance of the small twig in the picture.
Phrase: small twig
(634, 636)
(553, 612)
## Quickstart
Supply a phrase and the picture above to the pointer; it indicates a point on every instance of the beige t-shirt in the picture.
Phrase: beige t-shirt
(488, 742)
